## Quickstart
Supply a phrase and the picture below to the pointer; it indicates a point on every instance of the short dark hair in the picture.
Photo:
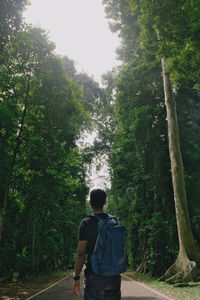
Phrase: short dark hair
(97, 198)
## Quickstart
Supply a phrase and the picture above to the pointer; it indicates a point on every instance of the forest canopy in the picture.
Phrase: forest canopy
(46, 106)
(42, 171)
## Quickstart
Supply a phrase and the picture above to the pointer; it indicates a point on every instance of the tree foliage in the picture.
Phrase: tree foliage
(10, 19)
(43, 186)
(142, 194)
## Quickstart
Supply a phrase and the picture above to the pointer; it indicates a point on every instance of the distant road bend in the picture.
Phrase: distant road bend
(131, 290)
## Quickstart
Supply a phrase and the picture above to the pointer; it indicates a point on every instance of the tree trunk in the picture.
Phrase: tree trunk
(12, 163)
(188, 258)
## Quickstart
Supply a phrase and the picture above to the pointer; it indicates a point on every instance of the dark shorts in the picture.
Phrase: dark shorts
(102, 288)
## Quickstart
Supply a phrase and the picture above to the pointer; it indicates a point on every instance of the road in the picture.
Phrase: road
(131, 290)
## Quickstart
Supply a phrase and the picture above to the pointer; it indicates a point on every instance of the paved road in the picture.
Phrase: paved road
(131, 290)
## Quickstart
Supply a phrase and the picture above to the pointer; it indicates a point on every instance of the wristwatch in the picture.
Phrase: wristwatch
(76, 277)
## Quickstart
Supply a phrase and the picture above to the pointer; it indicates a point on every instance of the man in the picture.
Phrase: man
(95, 287)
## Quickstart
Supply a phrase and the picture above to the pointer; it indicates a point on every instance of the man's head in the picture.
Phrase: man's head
(97, 199)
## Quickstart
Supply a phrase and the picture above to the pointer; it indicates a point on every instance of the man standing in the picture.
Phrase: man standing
(96, 287)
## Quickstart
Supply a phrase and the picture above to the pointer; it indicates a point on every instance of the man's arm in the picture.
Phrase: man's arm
(80, 259)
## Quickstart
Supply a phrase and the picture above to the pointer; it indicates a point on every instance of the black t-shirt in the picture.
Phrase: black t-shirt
(88, 231)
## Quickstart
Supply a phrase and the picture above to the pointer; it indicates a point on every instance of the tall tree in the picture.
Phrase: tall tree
(188, 259)
(41, 119)
(175, 37)
(18, 77)
(159, 33)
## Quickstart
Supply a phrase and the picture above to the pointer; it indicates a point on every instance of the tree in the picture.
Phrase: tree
(158, 32)
(175, 37)
(188, 260)
(11, 19)
(40, 124)
(21, 73)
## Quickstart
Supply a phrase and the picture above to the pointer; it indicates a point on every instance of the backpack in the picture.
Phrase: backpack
(109, 255)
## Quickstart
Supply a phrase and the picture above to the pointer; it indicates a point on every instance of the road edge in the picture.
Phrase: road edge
(55, 283)
(149, 288)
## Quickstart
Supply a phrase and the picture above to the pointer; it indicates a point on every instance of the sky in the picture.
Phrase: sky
(80, 31)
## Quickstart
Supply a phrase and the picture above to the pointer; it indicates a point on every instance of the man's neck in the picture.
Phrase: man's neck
(98, 211)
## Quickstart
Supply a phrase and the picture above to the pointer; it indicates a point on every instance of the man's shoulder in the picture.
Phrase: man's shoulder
(89, 219)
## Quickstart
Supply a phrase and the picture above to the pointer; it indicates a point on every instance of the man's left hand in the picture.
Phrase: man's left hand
(77, 287)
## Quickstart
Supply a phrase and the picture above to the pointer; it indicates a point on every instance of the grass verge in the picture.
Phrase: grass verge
(180, 293)
(21, 290)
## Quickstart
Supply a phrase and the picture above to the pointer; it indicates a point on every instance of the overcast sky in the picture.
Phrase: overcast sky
(80, 31)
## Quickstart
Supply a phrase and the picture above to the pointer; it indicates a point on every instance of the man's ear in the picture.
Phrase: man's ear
(104, 203)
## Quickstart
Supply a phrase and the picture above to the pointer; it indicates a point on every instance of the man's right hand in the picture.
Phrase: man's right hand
(77, 287)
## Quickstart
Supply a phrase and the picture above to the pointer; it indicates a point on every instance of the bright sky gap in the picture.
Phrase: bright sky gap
(80, 30)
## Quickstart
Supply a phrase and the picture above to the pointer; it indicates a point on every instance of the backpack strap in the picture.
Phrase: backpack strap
(99, 218)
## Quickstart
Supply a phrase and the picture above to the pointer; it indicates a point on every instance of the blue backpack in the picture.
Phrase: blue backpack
(109, 255)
